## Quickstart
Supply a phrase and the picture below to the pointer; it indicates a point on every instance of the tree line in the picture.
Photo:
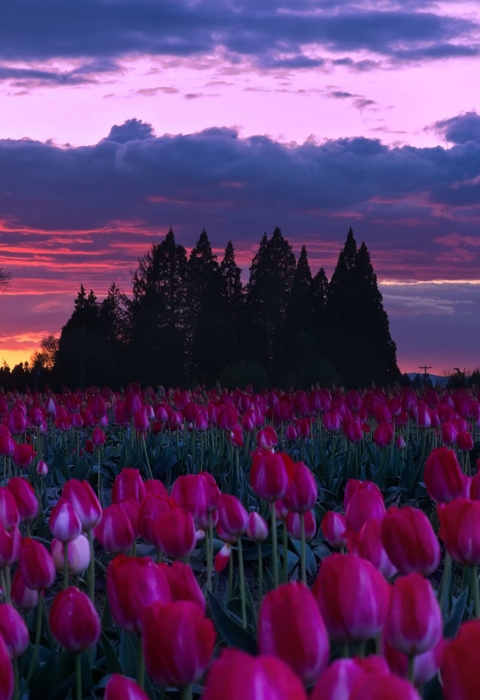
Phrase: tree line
(190, 319)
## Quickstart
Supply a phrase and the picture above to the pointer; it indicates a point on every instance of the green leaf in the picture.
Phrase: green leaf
(111, 659)
(310, 557)
(230, 627)
(81, 469)
(127, 654)
(452, 625)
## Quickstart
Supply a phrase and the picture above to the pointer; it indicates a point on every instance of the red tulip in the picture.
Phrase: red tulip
(23, 455)
(267, 438)
(449, 433)
(465, 441)
(140, 420)
(294, 525)
(365, 503)
(338, 681)
(222, 557)
(384, 686)
(302, 492)
(353, 597)
(232, 516)
(414, 620)
(353, 486)
(7, 446)
(368, 545)
(73, 620)
(17, 422)
(332, 421)
(443, 476)
(84, 501)
(150, 509)
(257, 529)
(227, 417)
(291, 628)
(25, 498)
(425, 666)
(64, 523)
(128, 484)
(10, 543)
(23, 596)
(132, 585)
(353, 430)
(174, 533)
(6, 673)
(459, 670)
(13, 631)
(183, 584)
(269, 476)
(190, 492)
(36, 565)
(291, 432)
(122, 688)
(238, 676)
(9, 514)
(410, 541)
(333, 527)
(179, 655)
(383, 434)
(115, 532)
(460, 530)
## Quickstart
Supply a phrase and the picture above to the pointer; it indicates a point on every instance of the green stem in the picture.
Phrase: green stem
(78, 675)
(149, 469)
(186, 693)
(209, 552)
(345, 652)
(273, 518)
(476, 595)
(91, 568)
(411, 669)
(303, 550)
(447, 572)
(141, 663)
(241, 574)
(3, 583)
(15, 678)
(65, 565)
(260, 573)
(230, 577)
(38, 632)
(285, 552)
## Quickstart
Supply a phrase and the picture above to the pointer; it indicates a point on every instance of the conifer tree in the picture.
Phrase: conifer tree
(360, 342)
(204, 298)
(231, 309)
(158, 310)
(268, 293)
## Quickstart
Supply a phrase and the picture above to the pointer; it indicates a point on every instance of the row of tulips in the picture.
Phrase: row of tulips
(352, 607)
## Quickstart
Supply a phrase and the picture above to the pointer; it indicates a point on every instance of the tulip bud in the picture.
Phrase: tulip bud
(174, 533)
(302, 492)
(414, 620)
(410, 541)
(36, 565)
(183, 584)
(347, 617)
(115, 532)
(257, 529)
(291, 628)
(13, 630)
(6, 673)
(25, 498)
(84, 501)
(459, 670)
(132, 585)
(294, 525)
(238, 676)
(443, 476)
(64, 523)
(23, 596)
(42, 468)
(128, 484)
(232, 516)
(122, 688)
(460, 530)
(78, 553)
(73, 620)
(222, 557)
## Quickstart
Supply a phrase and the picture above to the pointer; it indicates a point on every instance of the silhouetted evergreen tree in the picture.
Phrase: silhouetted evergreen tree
(231, 309)
(268, 294)
(157, 328)
(204, 300)
(360, 341)
(112, 316)
(377, 351)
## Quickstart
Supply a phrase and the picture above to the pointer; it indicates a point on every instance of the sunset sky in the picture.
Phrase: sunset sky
(121, 118)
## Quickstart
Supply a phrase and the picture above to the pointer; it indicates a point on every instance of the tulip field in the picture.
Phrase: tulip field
(233, 545)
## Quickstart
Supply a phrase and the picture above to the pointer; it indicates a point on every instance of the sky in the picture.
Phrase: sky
(121, 118)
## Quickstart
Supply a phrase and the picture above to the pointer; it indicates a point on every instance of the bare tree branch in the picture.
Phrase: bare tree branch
(5, 278)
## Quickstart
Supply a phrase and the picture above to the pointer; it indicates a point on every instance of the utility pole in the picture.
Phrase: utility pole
(425, 373)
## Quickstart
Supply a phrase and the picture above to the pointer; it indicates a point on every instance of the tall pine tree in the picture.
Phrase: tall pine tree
(268, 294)
(231, 309)
(360, 343)
(158, 311)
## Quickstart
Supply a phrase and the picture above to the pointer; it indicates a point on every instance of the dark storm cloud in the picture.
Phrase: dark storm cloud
(31, 77)
(406, 202)
(461, 129)
(271, 33)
